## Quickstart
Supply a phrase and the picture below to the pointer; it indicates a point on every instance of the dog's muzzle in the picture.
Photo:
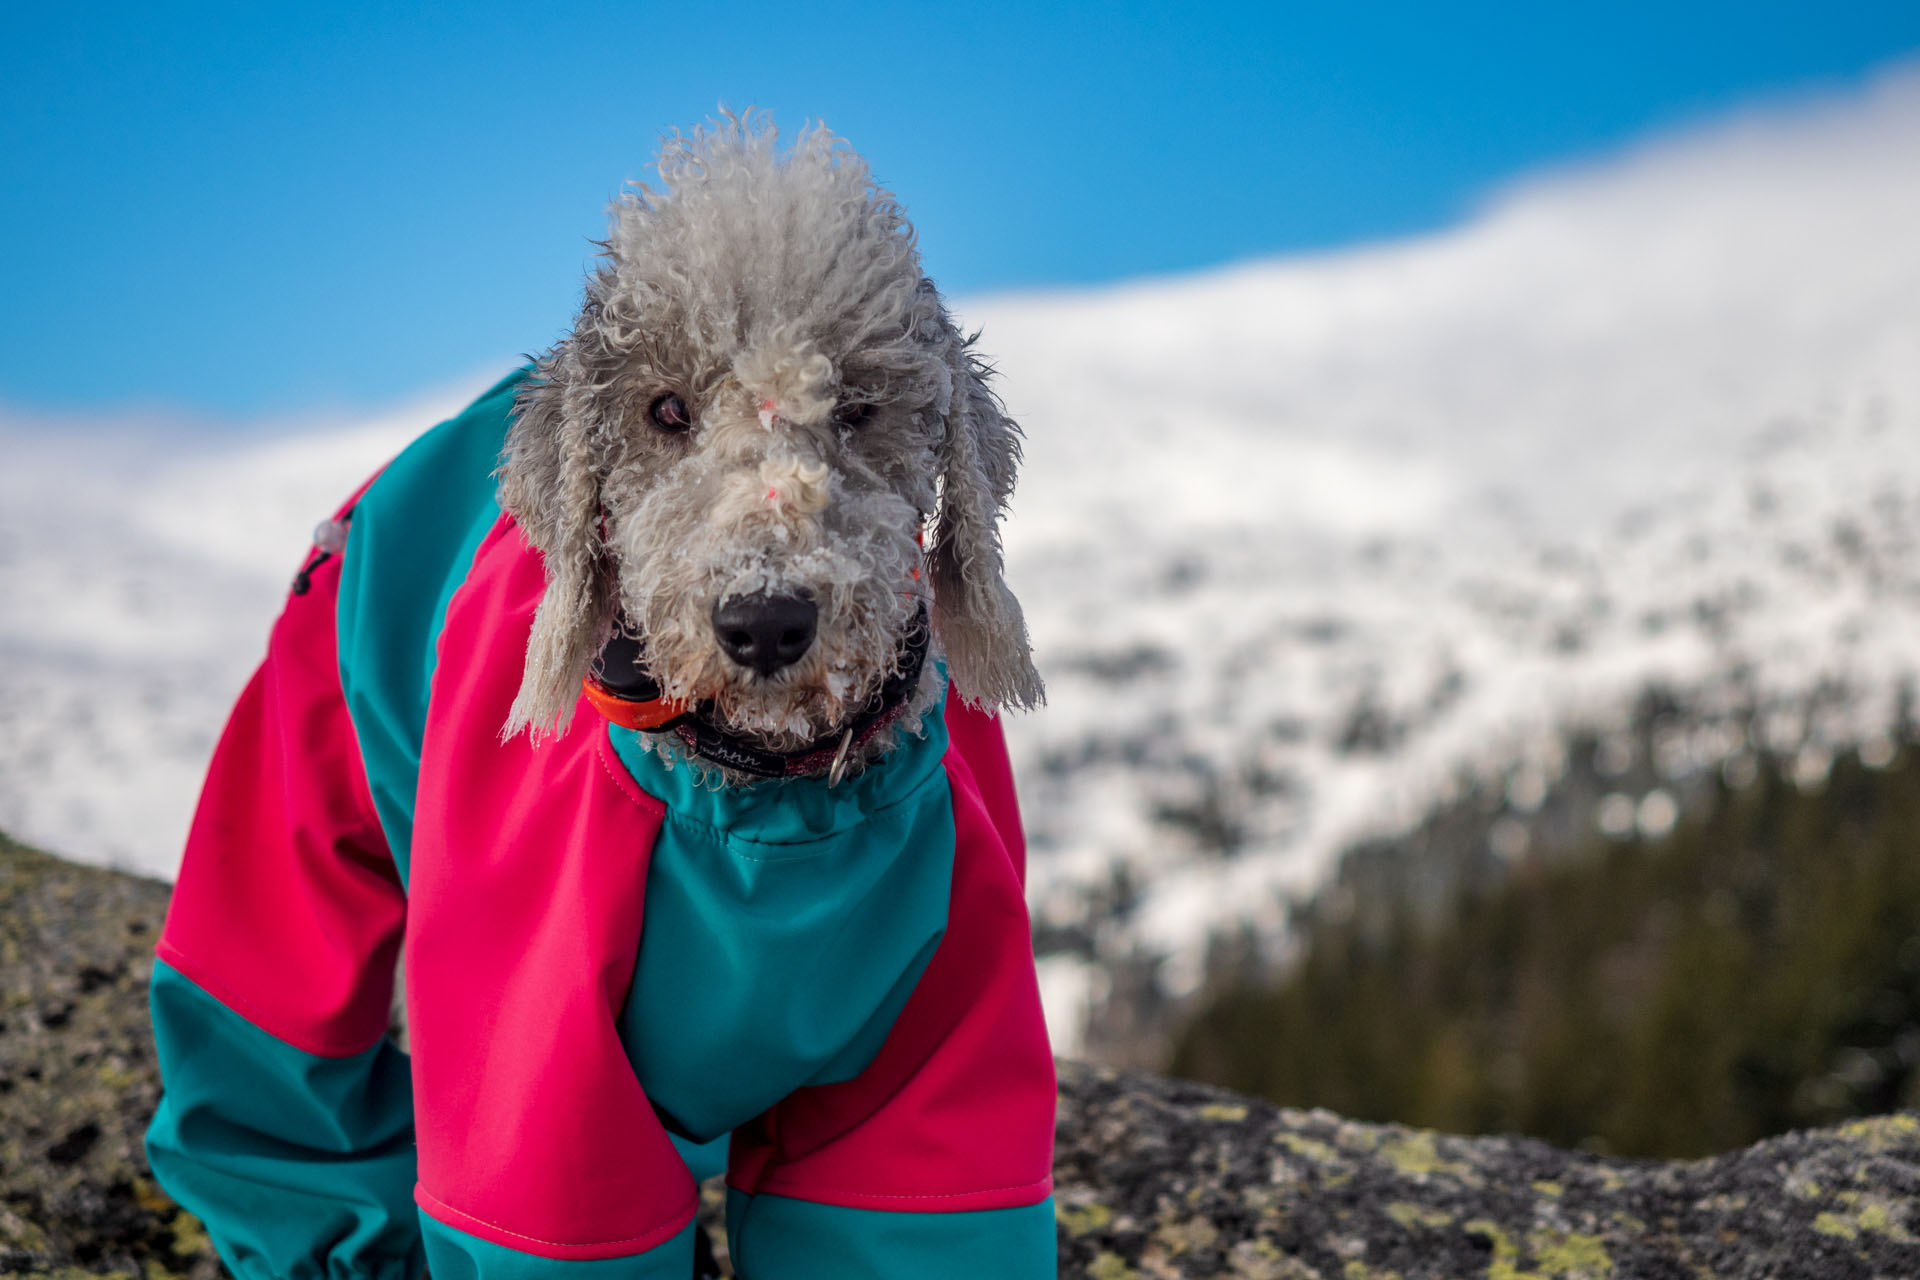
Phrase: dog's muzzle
(620, 689)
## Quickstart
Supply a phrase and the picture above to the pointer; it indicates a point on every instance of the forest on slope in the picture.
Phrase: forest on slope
(1752, 969)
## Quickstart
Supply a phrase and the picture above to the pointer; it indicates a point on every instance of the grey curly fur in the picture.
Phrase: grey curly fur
(753, 274)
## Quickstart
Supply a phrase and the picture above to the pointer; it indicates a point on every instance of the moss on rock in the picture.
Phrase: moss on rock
(77, 1077)
(1301, 1194)
(1154, 1178)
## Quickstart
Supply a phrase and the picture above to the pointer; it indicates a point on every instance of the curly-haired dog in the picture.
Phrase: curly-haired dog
(649, 704)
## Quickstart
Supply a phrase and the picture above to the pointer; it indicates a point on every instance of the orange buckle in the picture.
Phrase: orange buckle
(629, 714)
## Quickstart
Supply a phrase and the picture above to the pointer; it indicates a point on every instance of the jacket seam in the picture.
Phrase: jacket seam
(624, 782)
(728, 839)
(778, 1186)
(648, 1239)
(246, 1010)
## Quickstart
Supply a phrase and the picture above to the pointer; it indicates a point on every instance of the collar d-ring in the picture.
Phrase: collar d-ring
(838, 769)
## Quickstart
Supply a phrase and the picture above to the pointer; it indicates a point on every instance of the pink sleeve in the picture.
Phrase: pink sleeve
(528, 879)
(978, 738)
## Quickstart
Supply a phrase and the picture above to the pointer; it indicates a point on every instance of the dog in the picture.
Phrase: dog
(648, 707)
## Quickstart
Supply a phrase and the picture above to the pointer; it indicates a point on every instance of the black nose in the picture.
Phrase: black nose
(765, 632)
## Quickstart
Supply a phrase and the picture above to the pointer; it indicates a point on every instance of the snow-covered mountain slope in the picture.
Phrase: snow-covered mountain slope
(141, 567)
(1302, 541)
(1299, 541)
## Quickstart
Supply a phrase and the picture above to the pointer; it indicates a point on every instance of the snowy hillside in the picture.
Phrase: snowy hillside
(1303, 540)
(140, 569)
(1299, 541)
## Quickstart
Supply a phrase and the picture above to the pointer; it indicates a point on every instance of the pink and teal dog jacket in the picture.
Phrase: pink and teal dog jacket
(610, 971)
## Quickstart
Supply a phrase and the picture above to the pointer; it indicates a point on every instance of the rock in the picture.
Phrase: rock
(1157, 1178)
(1154, 1177)
(77, 1076)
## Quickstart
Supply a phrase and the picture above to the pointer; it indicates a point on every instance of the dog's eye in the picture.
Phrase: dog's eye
(852, 414)
(669, 413)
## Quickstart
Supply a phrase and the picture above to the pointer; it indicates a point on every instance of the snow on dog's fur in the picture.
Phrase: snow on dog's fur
(835, 410)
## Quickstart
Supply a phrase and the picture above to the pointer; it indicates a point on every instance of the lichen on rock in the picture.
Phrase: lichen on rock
(77, 1077)
(1288, 1195)
(1153, 1177)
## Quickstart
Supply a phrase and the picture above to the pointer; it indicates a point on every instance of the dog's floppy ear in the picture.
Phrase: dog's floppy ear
(550, 484)
(975, 617)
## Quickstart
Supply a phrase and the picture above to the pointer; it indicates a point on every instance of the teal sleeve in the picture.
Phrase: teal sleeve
(415, 531)
(454, 1255)
(302, 1167)
(781, 1238)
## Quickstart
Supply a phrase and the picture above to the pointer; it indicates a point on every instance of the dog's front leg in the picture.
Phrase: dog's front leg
(287, 1123)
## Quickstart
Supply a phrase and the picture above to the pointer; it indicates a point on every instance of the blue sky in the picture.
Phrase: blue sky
(250, 210)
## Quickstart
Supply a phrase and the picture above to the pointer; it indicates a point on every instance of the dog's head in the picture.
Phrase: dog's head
(762, 410)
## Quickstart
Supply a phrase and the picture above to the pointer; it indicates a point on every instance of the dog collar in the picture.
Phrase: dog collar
(621, 691)
(648, 715)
